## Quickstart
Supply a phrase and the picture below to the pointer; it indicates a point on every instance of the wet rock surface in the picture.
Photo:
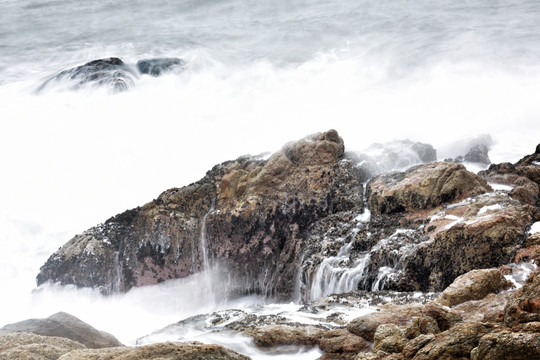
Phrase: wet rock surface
(111, 74)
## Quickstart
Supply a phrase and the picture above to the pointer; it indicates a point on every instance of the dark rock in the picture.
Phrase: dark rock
(110, 73)
(66, 326)
(158, 66)
(478, 154)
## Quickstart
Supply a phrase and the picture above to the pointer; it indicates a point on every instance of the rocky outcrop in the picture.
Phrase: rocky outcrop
(423, 187)
(256, 215)
(474, 285)
(66, 326)
(524, 305)
(508, 345)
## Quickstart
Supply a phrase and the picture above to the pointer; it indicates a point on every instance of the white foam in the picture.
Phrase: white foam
(535, 228)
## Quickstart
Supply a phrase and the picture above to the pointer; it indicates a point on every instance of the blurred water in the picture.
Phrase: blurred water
(258, 74)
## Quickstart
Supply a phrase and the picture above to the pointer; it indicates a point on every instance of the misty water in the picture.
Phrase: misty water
(258, 74)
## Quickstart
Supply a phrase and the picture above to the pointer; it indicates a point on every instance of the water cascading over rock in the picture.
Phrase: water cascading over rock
(304, 223)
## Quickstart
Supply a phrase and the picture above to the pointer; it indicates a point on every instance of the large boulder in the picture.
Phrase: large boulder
(422, 187)
(67, 326)
(255, 214)
(474, 285)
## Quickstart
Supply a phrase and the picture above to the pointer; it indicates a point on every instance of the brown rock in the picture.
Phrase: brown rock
(508, 346)
(366, 325)
(455, 343)
(489, 309)
(445, 318)
(28, 346)
(423, 187)
(68, 326)
(421, 325)
(262, 212)
(389, 338)
(474, 285)
(271, 335)
(164, 351)
(342, 341)
(524, 305)
(412, 347)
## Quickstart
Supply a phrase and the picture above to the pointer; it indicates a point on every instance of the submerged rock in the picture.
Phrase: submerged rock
(158, 66)
(110, 73)
(66, 326)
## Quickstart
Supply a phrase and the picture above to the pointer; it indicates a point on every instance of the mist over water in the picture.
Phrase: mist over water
(258, 74)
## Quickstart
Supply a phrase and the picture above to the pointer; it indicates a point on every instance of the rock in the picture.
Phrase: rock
(393, 156)
(445, 318)
(67, 326)
(455, 343)
(483, 232)
(489, 309)
(271, 335)
(412, 347)
(524, 305)
(366, 325)
(158, 66)
(262, 213)
(474, 285)
(421, 325)
(422, 187)
(478, 154)
(389, 338)
(27, 346)
(110, 73)
(508, 346)
(341, 341)
(162, 351)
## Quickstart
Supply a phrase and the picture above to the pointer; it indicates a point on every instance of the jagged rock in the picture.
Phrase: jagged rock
(478, 154)
(445, 318)
(524, 305)
(421, 325)
(158, 66)
(474, 285)
(412, 347)
(111, 73)
(28, 346)
(67, 326)
(262, 212)
(162, 351)
(455, 343)
(508, 346)
(422, 187)
(483, 232)
(489, 309)
(389, 338)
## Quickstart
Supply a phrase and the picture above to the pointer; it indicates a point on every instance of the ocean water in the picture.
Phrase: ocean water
(258, 74)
